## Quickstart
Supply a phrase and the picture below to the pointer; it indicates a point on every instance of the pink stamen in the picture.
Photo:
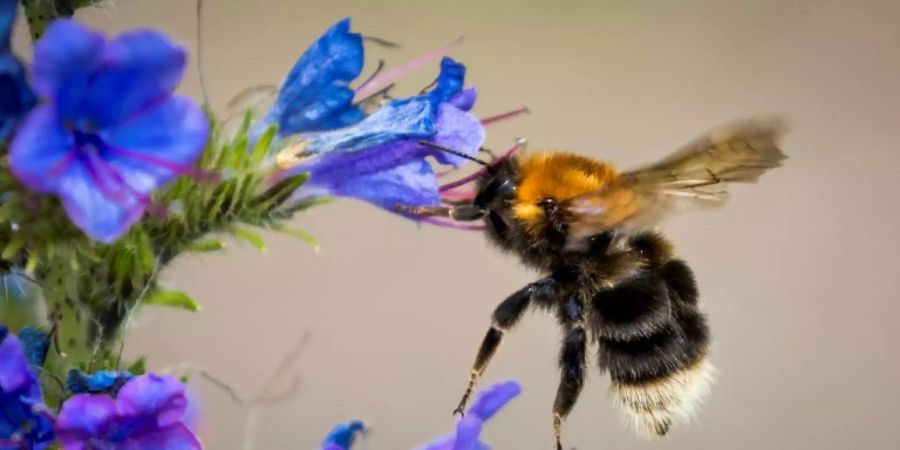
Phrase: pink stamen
(391, 75)
(191, 171)
(462, 181)
(453, 225)
(504, 116)
(63, 164)
(480, 173)
(103, 174)
(457, 195)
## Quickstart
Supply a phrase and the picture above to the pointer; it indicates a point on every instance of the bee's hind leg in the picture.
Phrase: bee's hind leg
(505, 317)
(571, 363)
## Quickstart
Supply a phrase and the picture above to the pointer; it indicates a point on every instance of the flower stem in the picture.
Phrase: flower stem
(41, 12)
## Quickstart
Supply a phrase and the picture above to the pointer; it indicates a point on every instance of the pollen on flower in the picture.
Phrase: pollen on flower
(291, 156)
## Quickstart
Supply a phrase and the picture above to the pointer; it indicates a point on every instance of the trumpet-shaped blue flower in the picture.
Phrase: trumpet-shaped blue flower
(16, 97)
(110, 131)
(148, 413)
(24, 424)
(380, 160)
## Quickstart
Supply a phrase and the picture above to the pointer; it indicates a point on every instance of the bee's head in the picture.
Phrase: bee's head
(495, 195)
(523, 200)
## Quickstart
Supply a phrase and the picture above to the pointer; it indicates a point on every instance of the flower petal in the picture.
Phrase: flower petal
(103, 213)
(494, 398)
(158, 144)
(153, 395)
(171, 437)
(411, 184)
(464, 99)
(101, 381)
(7, 18)
(450, 80)
(65, 59)
(139, 68)
(413, 118)
(16, 97)
(35, 343)
(457, 130)
(343, 434)
(334, 167)
(82, 417)
(40, 151)
(15, 373)
(468, 431)
(315, 93)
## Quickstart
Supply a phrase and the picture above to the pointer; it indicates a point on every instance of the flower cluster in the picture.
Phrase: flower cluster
(107, 410)
(378, 158)
(109, 175)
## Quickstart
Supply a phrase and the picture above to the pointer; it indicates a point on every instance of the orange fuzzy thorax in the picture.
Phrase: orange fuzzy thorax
(560, 176)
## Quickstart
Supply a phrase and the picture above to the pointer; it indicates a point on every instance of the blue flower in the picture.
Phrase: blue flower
(343, 435)
(468, 429)
(101, 381)
(16, 97)
(380, 160)
(111, 131)
(148, 413)
(35, 343)
(316, 95)
(24, 424)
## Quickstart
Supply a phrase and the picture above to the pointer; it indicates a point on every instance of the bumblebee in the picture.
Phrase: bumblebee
(613, 283)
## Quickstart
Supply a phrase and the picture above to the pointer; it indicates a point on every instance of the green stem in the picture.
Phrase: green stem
(41, 12)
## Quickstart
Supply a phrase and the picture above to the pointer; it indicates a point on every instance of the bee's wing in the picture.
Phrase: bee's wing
(697, 175)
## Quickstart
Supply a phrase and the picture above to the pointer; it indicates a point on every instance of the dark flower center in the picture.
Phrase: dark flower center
(88, 142)
(11, 103)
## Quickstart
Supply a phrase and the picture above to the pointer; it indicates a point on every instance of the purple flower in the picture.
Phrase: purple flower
(380, 159)
(468, 429)
(16, 97)
(24, 423)
(148, 413)
(111, 131)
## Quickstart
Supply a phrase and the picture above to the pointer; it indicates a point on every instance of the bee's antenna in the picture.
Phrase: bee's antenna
(455, 152)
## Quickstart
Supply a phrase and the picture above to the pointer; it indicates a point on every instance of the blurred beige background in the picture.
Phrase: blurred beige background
(799, 274)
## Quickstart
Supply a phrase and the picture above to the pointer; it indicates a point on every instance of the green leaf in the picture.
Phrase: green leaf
(145, 251)
(281, 191)
(175, 299)
(206, 245)
(261, 148)
(250, 236)
(220, 199)
(302, 235)
(12, 248)
(138, 367)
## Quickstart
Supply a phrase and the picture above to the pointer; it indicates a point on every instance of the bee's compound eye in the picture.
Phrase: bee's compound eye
(549, 205)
